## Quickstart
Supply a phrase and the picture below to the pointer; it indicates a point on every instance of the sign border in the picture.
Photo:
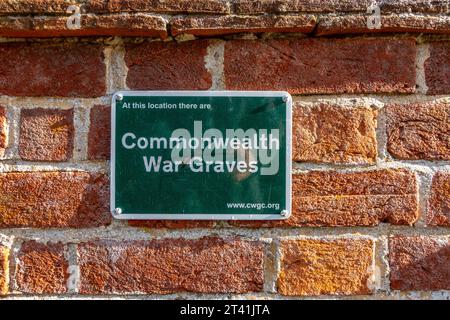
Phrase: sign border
(117, 212)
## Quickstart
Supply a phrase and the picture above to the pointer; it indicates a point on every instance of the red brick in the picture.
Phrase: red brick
(439, 203)
(315, 267)
(36, 6)
(3, 128)
(261, 6)
(219, 25)
(54, 200)
(437, 68)
(419, 263)
(99, 133)
(333, 134)
(419, 131)
(283, 6)
(426, 6)
(46, 135)
(171, 224)
(172, 6)
(168, 65)
(42, 268)
(67, 70)
(207, 265)
(311, 66)
(329, 198)
(354, 24)
(134, 25)
(4, 270)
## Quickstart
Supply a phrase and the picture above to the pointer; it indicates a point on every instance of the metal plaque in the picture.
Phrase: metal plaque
(203, 155)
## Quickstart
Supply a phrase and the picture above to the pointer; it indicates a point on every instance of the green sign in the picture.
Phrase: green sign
(201, 155)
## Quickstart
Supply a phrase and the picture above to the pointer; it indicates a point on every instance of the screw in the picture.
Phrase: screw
(117, 211)
(284, 213)
(285, 98)
(119, 97)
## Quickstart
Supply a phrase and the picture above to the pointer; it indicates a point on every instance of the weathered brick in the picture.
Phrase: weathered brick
(354, 24)
(329, 198)
(99, 133)
(437, 68)
(207, 265)
(42, 268)
(4, 270)
(278, 6)
(426, 6)
(315, 267)
(219, 25)
(144, 25)
(333, 134)
(439, 203)
(419, 263)
(419, 131)
(165, 66)
(172, 6)
(171, 224)
(46, 135)
(63, 70)
(36, 6)
(3, 128)
(311, 66)
(54, 200)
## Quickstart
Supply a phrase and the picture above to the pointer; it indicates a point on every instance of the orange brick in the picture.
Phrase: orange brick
(4, 270)
(46, 135)
(333, 134)
(42, 268)
(329, 198)
(54, 200)
(439, 203)
(3, 129)
(321, 267)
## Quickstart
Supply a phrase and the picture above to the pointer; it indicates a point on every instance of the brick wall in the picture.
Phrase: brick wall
(371, 180)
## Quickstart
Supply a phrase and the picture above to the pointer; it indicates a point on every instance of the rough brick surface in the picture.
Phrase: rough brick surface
(3, 128)
(327, 198)
(166, 66)
(99, 133)
(190, 6)
(419, 263)
(439, 203)
(328, 133)
(437, 68)
(46, 135)
(68, 70)
(315, 267)
(171, 224)
(36, 6)
(218, 25)
(207, 265)
(419, 131)
(317, 66)
(42, 268)
(261, 6)
(354, 24)
(54, 200)
(4, 270)
(90, 25)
